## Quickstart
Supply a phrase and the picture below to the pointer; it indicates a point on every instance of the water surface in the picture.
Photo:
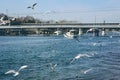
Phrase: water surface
(38, 52)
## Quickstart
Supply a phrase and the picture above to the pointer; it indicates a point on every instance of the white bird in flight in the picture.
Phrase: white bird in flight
(1, 19)
(32, 7)
(86, 71)
(91, 29)
(79, 56)
(53, 66)
(16, 73)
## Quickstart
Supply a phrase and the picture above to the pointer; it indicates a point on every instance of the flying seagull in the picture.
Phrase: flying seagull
(79, 56)
(86, 71)
(53, 66)
(32, 7)
(91, 29)
(16, 73)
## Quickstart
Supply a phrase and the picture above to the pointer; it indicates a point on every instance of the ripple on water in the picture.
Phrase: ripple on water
(97, 62)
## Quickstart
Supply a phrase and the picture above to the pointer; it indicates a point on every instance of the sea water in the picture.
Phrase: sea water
(38, 52)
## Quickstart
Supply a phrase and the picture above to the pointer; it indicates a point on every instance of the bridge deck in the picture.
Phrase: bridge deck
(77, 25)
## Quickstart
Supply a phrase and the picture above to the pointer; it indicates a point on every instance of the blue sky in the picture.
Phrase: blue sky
(76, 10)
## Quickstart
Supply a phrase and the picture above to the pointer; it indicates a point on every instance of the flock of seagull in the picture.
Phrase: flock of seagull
(52, 66)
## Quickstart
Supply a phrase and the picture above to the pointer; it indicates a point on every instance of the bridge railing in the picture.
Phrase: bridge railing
(70, 25)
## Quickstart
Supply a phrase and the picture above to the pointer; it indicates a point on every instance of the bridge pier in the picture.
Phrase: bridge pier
(6, 31)
(2, 32)
(37, 31)
(80, 32)
(20, 32)
(103, 33)
(95, 32)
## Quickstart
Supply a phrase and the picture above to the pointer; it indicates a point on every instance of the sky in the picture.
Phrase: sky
(73, 10)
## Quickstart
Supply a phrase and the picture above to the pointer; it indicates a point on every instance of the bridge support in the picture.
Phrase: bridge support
(37, 31)
(80, 32)
(103, 33)
(95, 32)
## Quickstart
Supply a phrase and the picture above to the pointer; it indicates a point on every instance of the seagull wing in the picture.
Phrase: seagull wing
(78, 56)
(34, 4)
(72, 60)
(91, 29)
(87, 71)
(10, 71)
(1, 18)
(23, 67)
(16, 74)
(55, 65)
(29, 7)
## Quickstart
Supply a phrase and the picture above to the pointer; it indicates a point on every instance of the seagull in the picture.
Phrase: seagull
(16, 73)
(32, 7)
(91, 29)
(1, 19)
(79, 56)
(53, 66)
(86, 71)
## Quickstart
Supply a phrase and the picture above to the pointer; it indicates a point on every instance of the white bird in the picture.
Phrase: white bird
(91, 29)
(86, 71)
(13, 19)
(79, 56)
(16, 73)
(1, 19)
(32, 7)
(53, 66)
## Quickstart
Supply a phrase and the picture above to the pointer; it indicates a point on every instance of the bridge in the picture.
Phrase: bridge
(40, 28)
(65, 25)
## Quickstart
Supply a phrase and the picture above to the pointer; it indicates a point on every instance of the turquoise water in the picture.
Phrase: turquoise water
(100, 58)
